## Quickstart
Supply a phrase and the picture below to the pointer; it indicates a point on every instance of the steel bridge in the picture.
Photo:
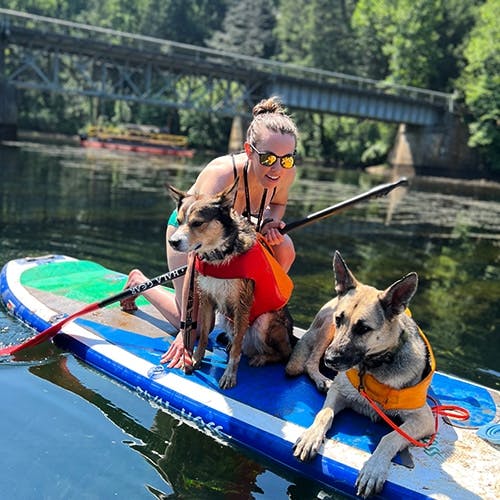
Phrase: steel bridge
(53, 55)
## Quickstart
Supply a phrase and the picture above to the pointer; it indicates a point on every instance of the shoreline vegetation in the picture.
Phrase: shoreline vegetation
(383, 171)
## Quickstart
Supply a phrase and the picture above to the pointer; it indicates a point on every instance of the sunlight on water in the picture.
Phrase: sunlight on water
(12, 331)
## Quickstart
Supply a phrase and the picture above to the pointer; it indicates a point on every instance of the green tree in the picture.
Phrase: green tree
(61, 9)
(480, 83)
(247, 29)
(420, 40)
(319, 36)
(186, 21)
(324, 38)
(119, 15)
(293, 31)
(333, 43)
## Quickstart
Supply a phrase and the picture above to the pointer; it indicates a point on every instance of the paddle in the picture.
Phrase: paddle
(128, 292)
(381, 190)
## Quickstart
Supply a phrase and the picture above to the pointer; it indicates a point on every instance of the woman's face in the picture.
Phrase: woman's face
(279, 145)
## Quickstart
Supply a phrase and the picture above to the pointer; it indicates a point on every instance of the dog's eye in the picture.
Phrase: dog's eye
(339, 319)
(360, 329)
(196, 223)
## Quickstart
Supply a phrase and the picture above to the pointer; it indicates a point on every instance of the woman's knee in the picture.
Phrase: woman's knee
(285, 254)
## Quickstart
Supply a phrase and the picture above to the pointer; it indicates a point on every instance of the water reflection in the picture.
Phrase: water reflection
(191, 463)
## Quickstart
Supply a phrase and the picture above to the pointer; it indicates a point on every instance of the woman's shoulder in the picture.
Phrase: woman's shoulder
(216, 175)
(220, 163)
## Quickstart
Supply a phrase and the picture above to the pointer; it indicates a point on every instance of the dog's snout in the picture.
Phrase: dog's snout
(333, 360)
(342, 359)
(175, 243)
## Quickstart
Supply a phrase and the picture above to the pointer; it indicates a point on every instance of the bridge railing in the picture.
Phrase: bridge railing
(14, 18)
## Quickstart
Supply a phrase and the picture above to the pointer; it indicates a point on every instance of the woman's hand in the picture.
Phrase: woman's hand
(270, 231)
(177, 355)
(135, 277)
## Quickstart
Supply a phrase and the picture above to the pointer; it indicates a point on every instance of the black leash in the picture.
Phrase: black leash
(188, 325)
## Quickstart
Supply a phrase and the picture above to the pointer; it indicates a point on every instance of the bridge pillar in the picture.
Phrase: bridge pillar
(236, 137)
(8, 112)
(433, 149)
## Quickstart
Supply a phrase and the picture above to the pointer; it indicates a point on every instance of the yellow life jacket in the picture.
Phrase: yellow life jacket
(408, 398)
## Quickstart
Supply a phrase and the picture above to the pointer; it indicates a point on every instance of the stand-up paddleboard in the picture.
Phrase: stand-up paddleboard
(266, 411)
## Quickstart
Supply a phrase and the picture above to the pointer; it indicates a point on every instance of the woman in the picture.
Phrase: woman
(266, 171)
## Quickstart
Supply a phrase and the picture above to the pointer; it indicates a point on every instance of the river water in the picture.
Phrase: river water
(70, 432)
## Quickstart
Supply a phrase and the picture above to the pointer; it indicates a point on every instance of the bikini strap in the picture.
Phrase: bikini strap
(235, 172)
(261, 210)
(248, 209)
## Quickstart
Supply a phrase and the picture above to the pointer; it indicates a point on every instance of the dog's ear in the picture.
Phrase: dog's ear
(344, 279)
(397, 297)
(228, 196)
(176, 194)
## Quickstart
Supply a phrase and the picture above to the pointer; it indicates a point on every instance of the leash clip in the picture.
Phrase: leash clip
(361, 375)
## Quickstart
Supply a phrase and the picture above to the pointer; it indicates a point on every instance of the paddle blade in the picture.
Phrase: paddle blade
(48, 332)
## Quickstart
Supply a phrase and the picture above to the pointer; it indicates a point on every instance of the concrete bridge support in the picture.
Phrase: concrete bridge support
(435, 149)
(236, 137)
(8, 112)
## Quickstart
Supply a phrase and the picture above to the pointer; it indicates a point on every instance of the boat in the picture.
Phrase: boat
(462, 463)
(136, 138)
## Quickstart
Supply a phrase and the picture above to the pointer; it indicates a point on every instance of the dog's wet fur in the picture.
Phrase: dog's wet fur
(210, 227)
(368, 329)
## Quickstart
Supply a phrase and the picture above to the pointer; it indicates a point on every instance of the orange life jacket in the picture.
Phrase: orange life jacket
(273, 287)
(408, 398)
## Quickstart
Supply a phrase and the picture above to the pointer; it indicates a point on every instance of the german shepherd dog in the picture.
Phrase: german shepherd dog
(210, 227)
(368, 330)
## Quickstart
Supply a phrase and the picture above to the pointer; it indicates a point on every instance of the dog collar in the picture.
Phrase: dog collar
(379, 358)
(217, 253)
(408, 398)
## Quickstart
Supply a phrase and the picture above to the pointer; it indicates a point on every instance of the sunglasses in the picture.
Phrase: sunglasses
(268, 159)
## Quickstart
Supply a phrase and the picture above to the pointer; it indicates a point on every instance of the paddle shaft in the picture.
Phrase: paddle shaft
(181, 271)
(381, 190)
(128, 292)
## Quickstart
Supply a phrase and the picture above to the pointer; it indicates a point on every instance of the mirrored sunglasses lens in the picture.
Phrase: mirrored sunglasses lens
(287, 161)
(267, 159)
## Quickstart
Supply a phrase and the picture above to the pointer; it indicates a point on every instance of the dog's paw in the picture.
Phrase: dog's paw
(322, 383)
(308, 445)
(372, 477)
(258, 360)
(228, 379)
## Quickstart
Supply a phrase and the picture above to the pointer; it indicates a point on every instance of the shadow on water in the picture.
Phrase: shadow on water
(191, 462)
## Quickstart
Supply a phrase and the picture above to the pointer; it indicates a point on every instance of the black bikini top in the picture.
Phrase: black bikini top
(247, 212)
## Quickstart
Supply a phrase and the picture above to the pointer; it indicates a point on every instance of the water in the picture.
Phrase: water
(70, 432)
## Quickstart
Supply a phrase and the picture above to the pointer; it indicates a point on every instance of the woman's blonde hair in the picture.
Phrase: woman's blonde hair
(269, 114)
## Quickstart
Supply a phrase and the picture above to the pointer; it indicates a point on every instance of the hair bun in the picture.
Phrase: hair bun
(270, 105)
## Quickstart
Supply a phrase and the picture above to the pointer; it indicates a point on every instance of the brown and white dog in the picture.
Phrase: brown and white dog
(366, 335)
(224, 242)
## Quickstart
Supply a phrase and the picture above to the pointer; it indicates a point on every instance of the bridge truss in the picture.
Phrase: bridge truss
(54, 55)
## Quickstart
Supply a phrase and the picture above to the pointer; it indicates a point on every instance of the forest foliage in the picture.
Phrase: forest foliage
(444, 45)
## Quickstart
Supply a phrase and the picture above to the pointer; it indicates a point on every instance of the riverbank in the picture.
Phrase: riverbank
(437, 177)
